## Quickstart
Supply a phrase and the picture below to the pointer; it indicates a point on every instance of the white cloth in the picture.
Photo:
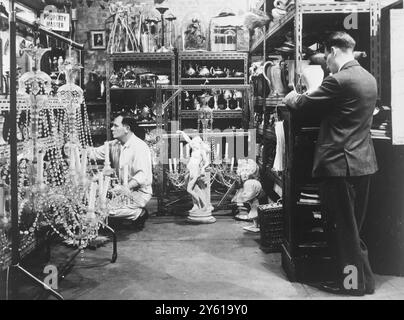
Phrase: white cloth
(135, 154)
(280, 146)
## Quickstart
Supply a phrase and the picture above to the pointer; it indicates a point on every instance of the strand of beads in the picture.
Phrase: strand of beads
(87, 131)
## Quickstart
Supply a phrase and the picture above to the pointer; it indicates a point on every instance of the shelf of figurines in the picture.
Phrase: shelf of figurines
(283, 18)
(142, 56)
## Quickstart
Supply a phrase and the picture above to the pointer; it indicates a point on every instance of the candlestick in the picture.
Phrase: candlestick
(107, 163)
(100, 183)
(125, 176)
(84, 163)
(2, 202)
(40, 168)
(170, 165)
(106, 184)
(175, 164)
(77, 155)
(232, 164)
(182, 156)
(91, 200)
(188, 150)
(226, 154)
(72, 161)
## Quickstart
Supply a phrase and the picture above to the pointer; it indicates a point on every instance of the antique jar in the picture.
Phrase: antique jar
(204, 72)
(218, 72)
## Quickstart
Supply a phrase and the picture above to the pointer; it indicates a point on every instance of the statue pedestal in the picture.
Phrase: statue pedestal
(201, 217)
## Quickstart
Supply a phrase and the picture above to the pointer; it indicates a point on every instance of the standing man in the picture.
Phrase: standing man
(129, 156)
(344, 158)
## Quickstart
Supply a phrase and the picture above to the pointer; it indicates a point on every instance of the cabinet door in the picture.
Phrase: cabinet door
(397, 74)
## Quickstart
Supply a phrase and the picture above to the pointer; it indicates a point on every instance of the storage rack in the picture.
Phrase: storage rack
(305, 261)
(232, 83)
(134, 57)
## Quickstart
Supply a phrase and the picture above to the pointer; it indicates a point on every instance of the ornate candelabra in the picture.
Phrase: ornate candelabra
(121, 33)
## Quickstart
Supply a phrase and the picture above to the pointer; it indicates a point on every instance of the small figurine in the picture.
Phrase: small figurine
(247, 196)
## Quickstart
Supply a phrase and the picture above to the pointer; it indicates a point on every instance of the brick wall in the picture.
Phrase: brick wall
(94, 18)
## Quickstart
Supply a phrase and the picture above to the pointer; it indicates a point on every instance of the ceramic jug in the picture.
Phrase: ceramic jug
(273, 72)
(312, 77)
(190, 72)
(218, 72)
(261, 83)
(205, 98)
(204, 72)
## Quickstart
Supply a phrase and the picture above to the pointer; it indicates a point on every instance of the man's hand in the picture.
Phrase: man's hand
(120, 190)
(290, 99)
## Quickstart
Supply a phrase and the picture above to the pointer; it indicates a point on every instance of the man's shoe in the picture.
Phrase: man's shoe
(139, 223)
(334, 288)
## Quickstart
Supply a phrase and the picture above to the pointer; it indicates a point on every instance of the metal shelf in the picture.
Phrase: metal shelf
(269, 102)
(282, 23)
(217, 114)
(141, 56)
(133, 89)
(147, 124)
(190, 87)
(212, 79)
(210, 55)
(311, 8)
(308, 204)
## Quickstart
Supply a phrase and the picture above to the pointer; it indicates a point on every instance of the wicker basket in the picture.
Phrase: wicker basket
(270, 218)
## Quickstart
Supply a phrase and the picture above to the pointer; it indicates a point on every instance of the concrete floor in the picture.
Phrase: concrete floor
(172, 260)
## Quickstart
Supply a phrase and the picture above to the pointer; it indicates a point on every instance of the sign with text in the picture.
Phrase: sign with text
(56, 21)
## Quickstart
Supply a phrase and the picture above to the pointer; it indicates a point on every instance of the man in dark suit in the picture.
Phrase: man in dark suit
(344, 158)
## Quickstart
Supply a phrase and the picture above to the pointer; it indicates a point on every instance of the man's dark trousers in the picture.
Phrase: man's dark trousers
(344, 203)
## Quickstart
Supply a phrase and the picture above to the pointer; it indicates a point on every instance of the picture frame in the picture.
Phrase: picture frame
(98, 39)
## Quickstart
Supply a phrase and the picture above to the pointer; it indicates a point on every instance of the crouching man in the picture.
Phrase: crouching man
(131, 157)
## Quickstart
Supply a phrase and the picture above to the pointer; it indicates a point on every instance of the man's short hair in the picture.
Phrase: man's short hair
(341, 40)
(129, 121)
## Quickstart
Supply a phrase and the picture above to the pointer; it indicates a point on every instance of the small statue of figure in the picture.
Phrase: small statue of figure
(197, 165)
(247, 196)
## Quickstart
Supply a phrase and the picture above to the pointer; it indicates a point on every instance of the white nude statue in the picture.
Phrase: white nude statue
(197, 185)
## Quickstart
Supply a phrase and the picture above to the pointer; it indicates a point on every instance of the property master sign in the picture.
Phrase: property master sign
(56, 21)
